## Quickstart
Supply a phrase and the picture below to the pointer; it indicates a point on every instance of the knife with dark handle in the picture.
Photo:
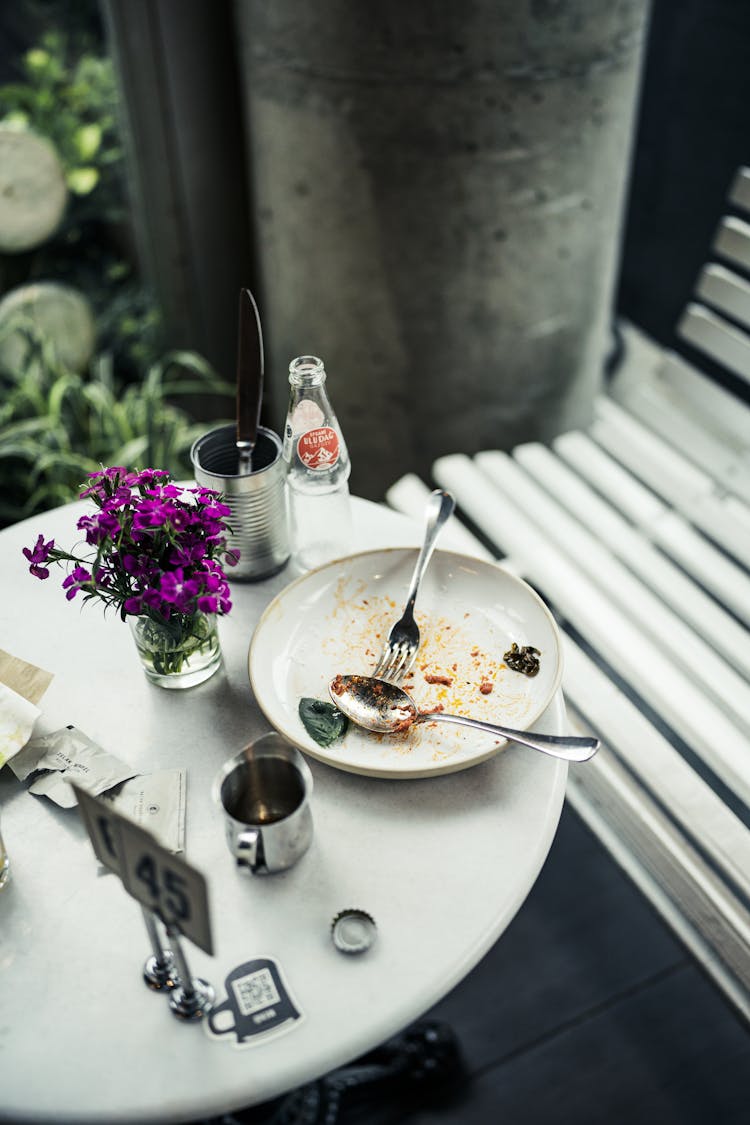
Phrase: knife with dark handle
(249, 380)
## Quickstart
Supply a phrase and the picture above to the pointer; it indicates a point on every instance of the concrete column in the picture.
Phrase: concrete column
(439, 195)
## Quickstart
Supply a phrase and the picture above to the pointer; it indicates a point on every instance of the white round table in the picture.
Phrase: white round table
(442, 865)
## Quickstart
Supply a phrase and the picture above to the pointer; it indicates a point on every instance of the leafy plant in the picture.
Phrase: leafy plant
(72, 102)
(56, 426)
(66, 91)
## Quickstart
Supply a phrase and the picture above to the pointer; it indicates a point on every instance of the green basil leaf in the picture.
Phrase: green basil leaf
(323, 722)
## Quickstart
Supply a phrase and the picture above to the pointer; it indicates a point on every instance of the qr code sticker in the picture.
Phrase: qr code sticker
(255, 992)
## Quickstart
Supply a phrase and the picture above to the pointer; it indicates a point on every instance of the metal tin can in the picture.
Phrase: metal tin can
(257, 499)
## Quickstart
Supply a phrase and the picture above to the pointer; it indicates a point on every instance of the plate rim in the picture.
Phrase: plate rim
(384, 772)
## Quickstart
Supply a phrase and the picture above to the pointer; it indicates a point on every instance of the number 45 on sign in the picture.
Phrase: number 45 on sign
(160, 881)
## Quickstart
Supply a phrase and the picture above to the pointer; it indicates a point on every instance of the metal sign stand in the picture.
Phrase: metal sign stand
(193, 996)
(159, 971)
(169, 891)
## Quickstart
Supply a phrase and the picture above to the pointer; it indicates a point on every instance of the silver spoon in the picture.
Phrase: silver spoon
(384, 708)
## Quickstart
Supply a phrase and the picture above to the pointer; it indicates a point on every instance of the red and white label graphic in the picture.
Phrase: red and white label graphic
(319, 449)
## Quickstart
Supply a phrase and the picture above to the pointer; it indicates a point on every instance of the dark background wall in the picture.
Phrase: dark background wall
(693, 133)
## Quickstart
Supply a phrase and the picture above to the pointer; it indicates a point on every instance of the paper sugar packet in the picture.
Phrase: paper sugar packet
(22, 686)
(25, 679)
(17, 718)
(68, 755)
(156, 802)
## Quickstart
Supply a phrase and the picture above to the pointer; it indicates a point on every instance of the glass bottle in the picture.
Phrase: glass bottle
(318, 469)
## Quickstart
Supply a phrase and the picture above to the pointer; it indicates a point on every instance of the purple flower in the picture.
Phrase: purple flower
(132, 564)
(150, 513)
(75, 581)
(102, 526)
(187, 554)
(120, 498)
(37, 555)
(149, 477)
(176, 516)
(205, 495)
(217, 511)
(109, 525)
(90, 525)
(171, 491)
(153, 599)
(103, 579)
(179, 590)
(101, 483)
(155, 547)
(171, 584)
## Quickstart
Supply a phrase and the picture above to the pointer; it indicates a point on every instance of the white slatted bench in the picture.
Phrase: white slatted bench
(637, 533)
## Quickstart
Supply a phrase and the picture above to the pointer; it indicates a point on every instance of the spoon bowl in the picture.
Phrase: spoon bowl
(384, 708)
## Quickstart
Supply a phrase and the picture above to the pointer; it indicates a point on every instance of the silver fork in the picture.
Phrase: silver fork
(400, 650)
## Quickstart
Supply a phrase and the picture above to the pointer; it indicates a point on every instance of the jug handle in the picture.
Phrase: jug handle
(247, 848)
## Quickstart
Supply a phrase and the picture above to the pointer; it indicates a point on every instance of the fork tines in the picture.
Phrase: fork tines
(395, 661)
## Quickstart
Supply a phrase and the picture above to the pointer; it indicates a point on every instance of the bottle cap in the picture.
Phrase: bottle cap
(353, 931)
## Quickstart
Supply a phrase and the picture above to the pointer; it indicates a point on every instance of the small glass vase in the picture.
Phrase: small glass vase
(178, 653)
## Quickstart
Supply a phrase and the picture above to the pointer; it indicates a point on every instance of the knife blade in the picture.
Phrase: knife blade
(249, 379)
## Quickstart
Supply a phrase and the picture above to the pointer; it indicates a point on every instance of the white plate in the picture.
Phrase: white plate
(335, 620)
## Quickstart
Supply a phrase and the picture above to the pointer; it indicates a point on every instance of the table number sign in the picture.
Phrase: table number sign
(162, 882)
(167, 888)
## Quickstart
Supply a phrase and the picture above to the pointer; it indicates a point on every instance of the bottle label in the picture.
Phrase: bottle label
(319, 448)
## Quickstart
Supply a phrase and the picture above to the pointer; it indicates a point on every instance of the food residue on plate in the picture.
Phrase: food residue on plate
(436, 678)
(524, 659)
(460, 668)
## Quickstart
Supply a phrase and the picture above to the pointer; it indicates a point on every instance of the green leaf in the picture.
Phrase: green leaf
(88, 139)
(36, 59)
(69, 386)
(323, 722)
(131, 454)
(82, 181)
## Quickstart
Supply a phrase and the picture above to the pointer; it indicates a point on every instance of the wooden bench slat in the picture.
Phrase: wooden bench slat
(721, 411)
(700, 909)
(409, 495)
(710, 566)
(717, 338)
(668, 464)
(653, 674)
(701, 814)
(632, 547)
(593, 558)
(732, 240)
(655, 406)
(726, 291)
(691, 491)
(739, 192)
(690, 412)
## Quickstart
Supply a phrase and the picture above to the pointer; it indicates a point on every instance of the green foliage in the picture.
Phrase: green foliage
(73, 102)
(66, 91)
(56, 426)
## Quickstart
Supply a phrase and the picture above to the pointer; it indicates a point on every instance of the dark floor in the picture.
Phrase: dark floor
(585, 1012)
